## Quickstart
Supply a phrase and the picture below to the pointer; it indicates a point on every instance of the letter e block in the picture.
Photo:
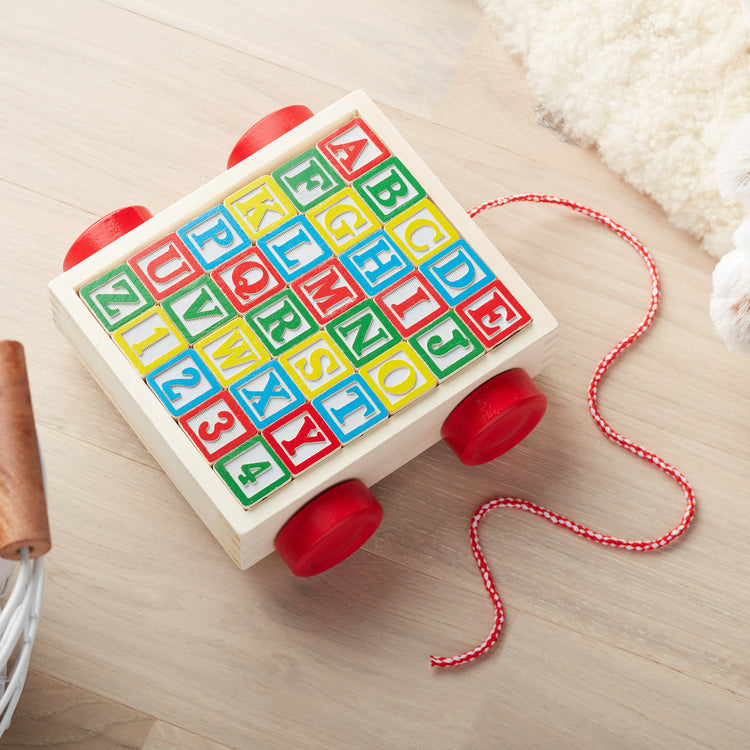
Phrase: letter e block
(301, 439)
(217, 426)
(116, 297)
(252, 471)
(493, 314)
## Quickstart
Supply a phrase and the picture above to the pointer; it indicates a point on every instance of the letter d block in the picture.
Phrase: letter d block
(252, 471)
(116, 297)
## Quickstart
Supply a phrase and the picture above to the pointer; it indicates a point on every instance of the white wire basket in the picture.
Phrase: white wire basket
(21, 600)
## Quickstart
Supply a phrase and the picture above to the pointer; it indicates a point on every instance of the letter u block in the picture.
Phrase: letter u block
(165, 266)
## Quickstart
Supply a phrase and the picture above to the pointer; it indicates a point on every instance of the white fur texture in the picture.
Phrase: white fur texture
(655, 84)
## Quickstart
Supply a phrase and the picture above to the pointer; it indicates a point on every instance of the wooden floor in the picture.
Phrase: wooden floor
(151, 637)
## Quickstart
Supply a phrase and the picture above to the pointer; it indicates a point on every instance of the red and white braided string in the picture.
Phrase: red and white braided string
(556, 518)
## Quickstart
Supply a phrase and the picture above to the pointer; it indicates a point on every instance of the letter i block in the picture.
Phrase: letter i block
(493, 314)
(260, 206)
(165, 266)
(328, 290)
(363, 332)
(116, 297)
(183, 383)
(446, 345)
(376, 263)
(198, 309)
(149, 340)
(308, 179)
(232, 351)
(213, 237)
(398, 377)
(217, 426)
(252, 471)
(353, 149)
(350, 408)
(301, 439)
(267, 394)
(247, 279)
(457, 272)
(316, 364)
(389, 189)
(411, 304)
(343, 220)
(281, 322)
(422, 231)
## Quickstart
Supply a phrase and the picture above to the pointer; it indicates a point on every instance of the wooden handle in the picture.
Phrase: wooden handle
(23, 507)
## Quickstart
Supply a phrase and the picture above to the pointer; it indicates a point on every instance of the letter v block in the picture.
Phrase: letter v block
(301, 439)
(198, 309)
(116, 297)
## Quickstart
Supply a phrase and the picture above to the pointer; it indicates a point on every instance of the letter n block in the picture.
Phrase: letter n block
(116, 297)
(217, 426)
(252, 471)
(363, 332)
(353, 149)
(301, 439)
(493, 314)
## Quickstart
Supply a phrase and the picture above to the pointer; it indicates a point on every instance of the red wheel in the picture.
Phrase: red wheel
(102, 232)
(267, 130)
(329, 528)
(494, 417)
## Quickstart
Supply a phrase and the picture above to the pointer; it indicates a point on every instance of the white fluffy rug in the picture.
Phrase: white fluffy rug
(655, 84)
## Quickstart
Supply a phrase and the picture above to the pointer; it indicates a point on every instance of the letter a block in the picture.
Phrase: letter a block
(353, 149)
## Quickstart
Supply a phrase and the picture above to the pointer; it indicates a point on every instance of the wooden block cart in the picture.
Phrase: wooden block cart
(302, 325)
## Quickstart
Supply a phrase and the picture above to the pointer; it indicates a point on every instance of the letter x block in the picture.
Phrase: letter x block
(310, 316)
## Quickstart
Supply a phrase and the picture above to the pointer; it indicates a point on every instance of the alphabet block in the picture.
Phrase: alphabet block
(247, 279)
(308, 179)
(281, 322)
(116, 297)
(446, 345)
(493, 314)
(316, 364)
(149, 340)
(363, 332)
(232, 351)
(217, 426)
(183, 382)
(411, 304)
(422, 231)
(353, 149)
(376, 263)
(301, 439)
(328, 290)
(213, 237)
(350, 408)
(252, 471)
(389, 188)
(343, 220)
(260, 206)
(294, 248)
(165, 266)
(398, 377)
(267, 394)
(457, 272)
(198, 308)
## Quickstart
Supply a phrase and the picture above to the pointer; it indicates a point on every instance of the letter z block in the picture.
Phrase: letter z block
(116, 297)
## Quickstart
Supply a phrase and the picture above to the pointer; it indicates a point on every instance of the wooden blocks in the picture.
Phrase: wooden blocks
(311, 316)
